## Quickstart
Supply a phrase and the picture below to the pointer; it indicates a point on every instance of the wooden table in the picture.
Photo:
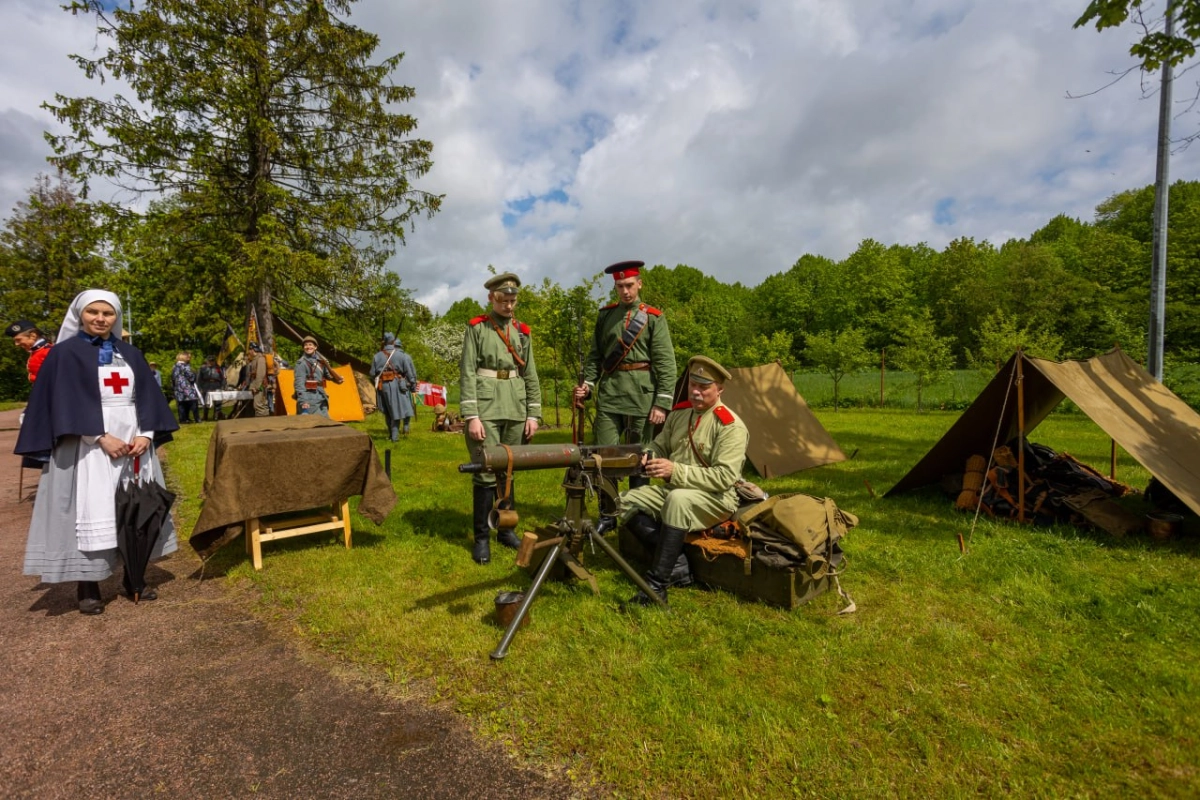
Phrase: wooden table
(278, 477)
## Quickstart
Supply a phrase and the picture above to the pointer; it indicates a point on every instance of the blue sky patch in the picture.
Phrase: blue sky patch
(943, 211)
(520, 207)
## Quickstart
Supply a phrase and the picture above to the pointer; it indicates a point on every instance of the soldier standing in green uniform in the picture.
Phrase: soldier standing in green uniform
(630, 367)
(500, 398)
(699, 456)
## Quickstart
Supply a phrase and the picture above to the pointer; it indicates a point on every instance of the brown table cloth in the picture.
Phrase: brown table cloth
(276, 465)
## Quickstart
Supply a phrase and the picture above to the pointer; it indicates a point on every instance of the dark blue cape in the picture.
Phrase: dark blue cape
(65, 400)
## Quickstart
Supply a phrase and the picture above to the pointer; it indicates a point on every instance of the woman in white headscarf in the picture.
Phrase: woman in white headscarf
(95, 411)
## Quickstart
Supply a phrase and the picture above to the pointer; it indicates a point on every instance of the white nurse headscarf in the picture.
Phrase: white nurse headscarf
(71, 322)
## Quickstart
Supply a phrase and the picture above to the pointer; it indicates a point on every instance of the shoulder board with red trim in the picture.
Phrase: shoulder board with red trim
(479, 319)
(722, 413)
(684, 404)
(651, 310)
(607, 307)
(523, 328)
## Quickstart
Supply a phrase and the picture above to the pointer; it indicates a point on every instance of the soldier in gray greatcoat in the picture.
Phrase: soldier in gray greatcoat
(395, 378)
(312, 371)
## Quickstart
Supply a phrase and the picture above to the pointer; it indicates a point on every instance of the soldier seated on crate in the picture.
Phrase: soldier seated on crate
(699, 457)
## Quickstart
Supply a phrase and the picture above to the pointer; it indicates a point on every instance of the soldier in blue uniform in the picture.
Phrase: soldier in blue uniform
(395, 378)
(312, 371)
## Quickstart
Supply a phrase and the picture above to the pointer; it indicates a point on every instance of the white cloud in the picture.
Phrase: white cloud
(732, 135)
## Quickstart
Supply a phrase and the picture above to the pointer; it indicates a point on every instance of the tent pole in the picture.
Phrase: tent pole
(1020, 438)
(1112, 467)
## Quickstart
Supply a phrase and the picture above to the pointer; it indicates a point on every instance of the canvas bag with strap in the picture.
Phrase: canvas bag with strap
(800, 526)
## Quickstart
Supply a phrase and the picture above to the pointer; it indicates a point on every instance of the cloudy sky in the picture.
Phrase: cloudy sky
(730, 135)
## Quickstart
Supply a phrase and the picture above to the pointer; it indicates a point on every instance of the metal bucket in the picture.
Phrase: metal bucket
(1163, 525)
(507, 604)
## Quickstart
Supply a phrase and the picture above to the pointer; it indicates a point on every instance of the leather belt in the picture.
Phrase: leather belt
(634, 366)
(498, 374)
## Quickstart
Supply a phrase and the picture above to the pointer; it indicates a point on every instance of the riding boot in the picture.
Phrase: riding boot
(88, 595)
(645, 529)
(507, 536)
(638, 480)
(666, 569)
(607, 522)
(481, 501)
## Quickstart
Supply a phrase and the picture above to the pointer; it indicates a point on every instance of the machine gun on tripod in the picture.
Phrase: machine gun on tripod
(586, 467)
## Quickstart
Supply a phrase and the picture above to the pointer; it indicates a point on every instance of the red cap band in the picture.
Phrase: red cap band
(632, 272)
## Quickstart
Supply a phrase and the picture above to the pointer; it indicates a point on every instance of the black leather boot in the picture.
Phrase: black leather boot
(666, 570)
(645, 529)
(607, 523)
(507, 536)
(88, 594)
(638, 480)
(481, 502)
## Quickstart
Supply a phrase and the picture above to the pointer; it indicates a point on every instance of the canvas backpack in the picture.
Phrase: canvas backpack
(800, 527)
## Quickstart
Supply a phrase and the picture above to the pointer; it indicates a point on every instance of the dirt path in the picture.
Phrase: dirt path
(192, 696)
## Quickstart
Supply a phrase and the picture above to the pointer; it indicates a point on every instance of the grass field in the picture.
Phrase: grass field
(1043, 662)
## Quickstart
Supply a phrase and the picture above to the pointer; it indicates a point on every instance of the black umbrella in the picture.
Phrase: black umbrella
(142, 508)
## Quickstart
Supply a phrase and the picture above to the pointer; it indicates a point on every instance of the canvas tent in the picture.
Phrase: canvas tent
(344, 406)
(785, 436)
(1140, 414)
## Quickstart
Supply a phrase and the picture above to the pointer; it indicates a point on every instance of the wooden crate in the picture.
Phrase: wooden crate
(780, 588)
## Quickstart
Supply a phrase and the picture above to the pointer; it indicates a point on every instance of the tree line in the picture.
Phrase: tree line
(1071, 289)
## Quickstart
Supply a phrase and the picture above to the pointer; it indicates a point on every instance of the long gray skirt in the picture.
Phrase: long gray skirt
(52, 550)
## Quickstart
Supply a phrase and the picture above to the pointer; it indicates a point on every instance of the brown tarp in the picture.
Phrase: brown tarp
(1144, 417)
(261, 466)
(785, 437)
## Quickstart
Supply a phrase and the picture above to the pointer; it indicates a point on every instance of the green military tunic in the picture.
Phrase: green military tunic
(492, 387)
(697, 496)
(624, 397)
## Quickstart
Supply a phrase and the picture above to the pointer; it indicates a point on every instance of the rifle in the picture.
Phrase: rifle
(578, 406)
(587, 466)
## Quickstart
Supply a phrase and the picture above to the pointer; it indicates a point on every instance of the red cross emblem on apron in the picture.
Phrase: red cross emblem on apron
(116, 382)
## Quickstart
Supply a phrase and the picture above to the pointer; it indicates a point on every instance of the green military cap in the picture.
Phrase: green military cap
(505, 282)
(305, 340)
(703, 369)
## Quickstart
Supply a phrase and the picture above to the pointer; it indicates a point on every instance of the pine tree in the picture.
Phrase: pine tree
(265, 126)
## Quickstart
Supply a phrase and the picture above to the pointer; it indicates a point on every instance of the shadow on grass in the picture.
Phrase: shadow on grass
(455, 599)
(233, 554)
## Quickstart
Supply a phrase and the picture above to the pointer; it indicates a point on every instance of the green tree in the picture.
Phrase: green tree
(838, 355)
(1000, 336)
(1154, 47)
(462, 311)
(960, 287)
(922, 352)
(271, 131)
(765, 349)
(50, 249)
